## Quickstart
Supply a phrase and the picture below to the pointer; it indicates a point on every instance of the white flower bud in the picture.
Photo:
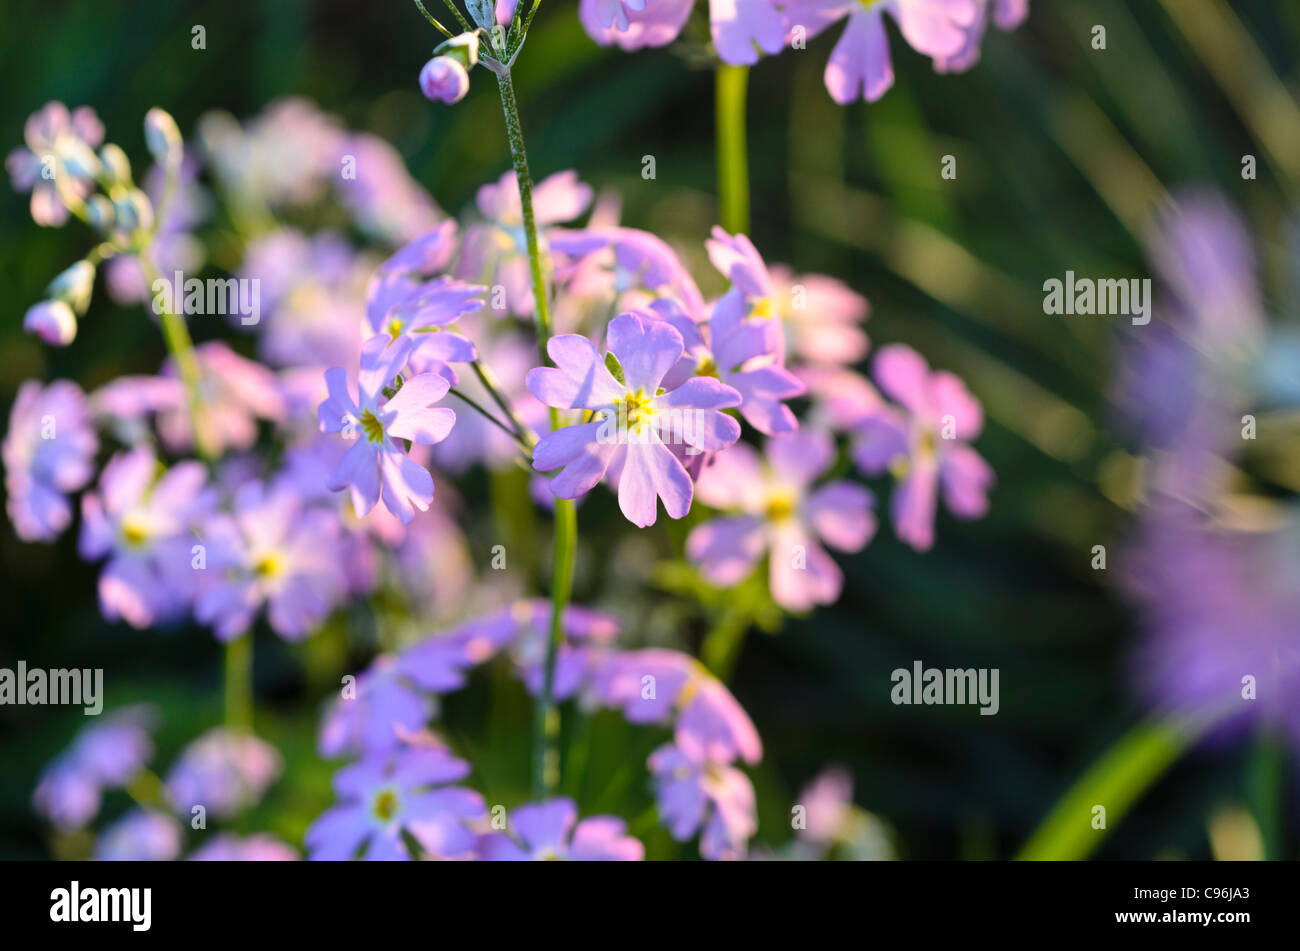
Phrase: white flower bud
(115, 166)
(74, 286)
(162, 136)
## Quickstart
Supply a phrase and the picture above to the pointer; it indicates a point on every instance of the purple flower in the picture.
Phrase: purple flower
(546, 831)
(843, 400)
(59, 163)
(376, 710)
(141, 522)
(235, 393)
(654, 685)
(408, 792)
(104, 755)
(827, 802)
(740, 28)
(654, 23)
(254, 848)
(48, 451)
(860, 65)
(1005, 14)
(224, 772)
(269, 551)
(444, 79)
(495, 251)
(821, 317)
(585, 632)
(375, 461)
(385, 201)
(696, 794)
(140, 836)
(925, 444)
(426, 313)
(783, 516)
(636, 416)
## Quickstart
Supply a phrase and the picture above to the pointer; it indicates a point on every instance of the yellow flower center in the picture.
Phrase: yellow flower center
(395, 328)
(385, 806)
(269, 565)
(763, 308)
(372, 427)
(635, 409)
(134, 532)
(781, 505)
(707, 368)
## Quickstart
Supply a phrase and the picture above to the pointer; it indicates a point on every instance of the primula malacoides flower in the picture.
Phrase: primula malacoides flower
(223, 771)
(781, 514)
(925, 444)
(105, 755)
(375, 465)
(632, 418)
(48, 452)
(696, 794)
(549, 831)
(60, 154)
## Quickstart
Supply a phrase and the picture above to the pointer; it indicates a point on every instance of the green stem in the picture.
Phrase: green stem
(1115, 781)
(546, 722)
(482, 411)
(239, 684)
(485, 377)
(720, 648)
(733, 166)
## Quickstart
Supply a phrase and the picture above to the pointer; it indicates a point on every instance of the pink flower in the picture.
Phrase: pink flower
(53, 321)
(740, 28)
(780, 514)
(235, 393)
(375, 464)
(59, 160)
(657, 23)
(444, 79)
(634, 416)
(821, 316)
(924, 444)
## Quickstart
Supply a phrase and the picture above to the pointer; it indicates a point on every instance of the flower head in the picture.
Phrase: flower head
(549, 831)
(698, 795)
(224, 772)
(140, 836)
(58, 164)
(48, 452)
(104, 755)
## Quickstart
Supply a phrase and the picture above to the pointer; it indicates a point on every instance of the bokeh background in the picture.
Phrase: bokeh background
(1061, 151)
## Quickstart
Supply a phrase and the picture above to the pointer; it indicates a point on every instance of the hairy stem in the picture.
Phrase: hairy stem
(546, 722)
(239, 684)
(731, 83)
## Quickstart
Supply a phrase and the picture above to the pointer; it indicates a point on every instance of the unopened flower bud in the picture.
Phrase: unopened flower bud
(162, 136)
(99, 213)
(463, 48)
(114, 165)
(133, 211)
(53, 321)
(482, 12)
(444, 79)
(74, 286)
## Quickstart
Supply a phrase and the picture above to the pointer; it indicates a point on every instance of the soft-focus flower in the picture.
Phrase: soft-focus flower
(741, 28)
(375, 464)
(381, 798)
(652, 23)
(925, 444)
(140, 836)
(782, 515)
(1005, 14)
(272, 551)
(53, 321)
(59, 163)
(105, 755)
(547, 831)
(821, 316)
(224, 772)
(48, 452)
(225, 847)
(655, 685)
(696, 794)
(235, 393)
(495, 250)
(860, 66)
(426, 312)
(141, 521)
(375, 711)
(635, 418)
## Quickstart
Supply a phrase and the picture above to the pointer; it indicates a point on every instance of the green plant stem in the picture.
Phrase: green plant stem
(485, 377)
(239, 684)
(546, 721)
(482, 411)
(731, 84)
(720, 648)
(1115, 781)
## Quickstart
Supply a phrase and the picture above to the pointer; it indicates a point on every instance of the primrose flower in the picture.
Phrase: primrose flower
(140, 836)
(652, 23)
(58, 165)
(635, 412)
(105, 755)
(925, 444)
(48, 451)
(142, 522)
(427, 315)
(821, 316)
(53, 321)
(375, 461)
(741, 28)
(782, 515)
(375, 712)
(254, 848)
(696, 794)
(444, 79)
(860, 66)
(223, 771)
(546, 831)
(270, 551)
(235, 391)
(381, 798)
(1005, 14)
(640, 263)
(495, 250)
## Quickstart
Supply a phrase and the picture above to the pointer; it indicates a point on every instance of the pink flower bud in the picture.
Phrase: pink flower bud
(52, 321)
(444, 79)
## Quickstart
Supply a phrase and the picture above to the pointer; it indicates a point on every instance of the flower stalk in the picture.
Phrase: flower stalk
(731, 86)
